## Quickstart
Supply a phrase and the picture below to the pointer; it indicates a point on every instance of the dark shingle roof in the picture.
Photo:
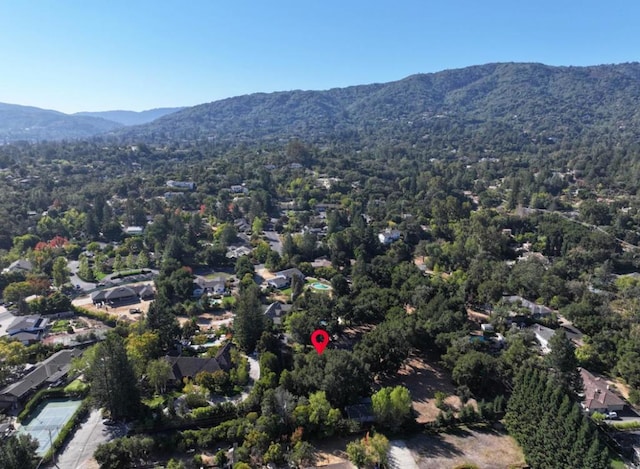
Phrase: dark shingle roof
(189, 367)
(27, 323)
(50, 370)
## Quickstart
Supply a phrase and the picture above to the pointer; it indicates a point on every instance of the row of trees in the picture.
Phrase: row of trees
(550, 426)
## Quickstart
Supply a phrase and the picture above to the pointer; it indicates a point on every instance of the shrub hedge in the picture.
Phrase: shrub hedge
(106, 318)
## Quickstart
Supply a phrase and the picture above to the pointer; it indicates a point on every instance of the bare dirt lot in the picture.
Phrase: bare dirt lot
(487, 449)
(123, 312)
(331, 451)
(423, 379)
(208, 321)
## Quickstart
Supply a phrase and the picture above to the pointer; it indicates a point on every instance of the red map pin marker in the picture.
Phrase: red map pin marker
(320, 340)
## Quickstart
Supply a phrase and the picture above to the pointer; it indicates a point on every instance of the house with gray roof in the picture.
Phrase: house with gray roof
(276, 312)
(202, 286)
(598, 397)
(119, 295)
(543, 336)
(183, 368)
(21, 265)
(49, 372)
(283, 278)
(537, 311)
(28, 329)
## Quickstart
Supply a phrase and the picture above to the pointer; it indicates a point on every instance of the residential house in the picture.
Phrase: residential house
(242, 225)
(534, 256)
(52, 371)
(238, 189)
(537, 311)
(202, 286)
(233, 252)
(276, 312)
(388, 236)
(28, 329)
(283, 278)
(134, 230)
(598, 397)
(115, 296)
(487, 328)
(543, 336)
(144, 292)
(21, 265)
(189, 185)
(186, 368)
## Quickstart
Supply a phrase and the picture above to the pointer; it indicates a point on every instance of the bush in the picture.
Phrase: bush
(440, 397)
(195, 400)
(37, 398)
(107, 319)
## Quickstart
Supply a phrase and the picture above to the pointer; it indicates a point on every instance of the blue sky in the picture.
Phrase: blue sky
(79, 55)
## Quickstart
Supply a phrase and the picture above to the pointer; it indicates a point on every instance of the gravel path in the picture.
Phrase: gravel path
(400, 456)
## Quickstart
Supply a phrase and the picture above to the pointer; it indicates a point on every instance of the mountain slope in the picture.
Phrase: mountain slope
(132, 117)
(508, 98)
(34, 124)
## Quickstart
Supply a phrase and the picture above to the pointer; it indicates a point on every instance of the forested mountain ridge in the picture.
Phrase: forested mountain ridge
(507, 98)
(35, 124)
(132, 117)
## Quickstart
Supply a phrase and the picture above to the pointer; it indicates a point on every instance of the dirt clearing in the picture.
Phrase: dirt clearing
(486, 449)
(423, 379)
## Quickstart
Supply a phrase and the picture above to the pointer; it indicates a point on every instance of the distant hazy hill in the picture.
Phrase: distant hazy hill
(510, 102)
(132, 117)
(34, 124)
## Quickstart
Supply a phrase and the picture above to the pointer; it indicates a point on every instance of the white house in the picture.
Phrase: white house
(134, 230)
(388, 236)
(543, 336)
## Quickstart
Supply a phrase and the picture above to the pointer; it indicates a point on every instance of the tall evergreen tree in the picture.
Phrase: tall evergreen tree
(248, 324)
(113, 383)
(17, 452)
(563, 362)
(160, 319)
(550, 427)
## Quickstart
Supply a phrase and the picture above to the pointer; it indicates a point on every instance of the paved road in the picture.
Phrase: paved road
(254, 369)
(75, 280)
(78, 453)
(274, 241)
(400, 456)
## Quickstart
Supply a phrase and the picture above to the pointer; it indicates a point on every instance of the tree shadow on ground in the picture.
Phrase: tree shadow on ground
(434, 445)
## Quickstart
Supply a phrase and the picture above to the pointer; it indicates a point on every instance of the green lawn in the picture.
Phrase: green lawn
(228, 301)
(60, 325)
(76, 386)
(155, 401)
(218, 274)
(617, 463)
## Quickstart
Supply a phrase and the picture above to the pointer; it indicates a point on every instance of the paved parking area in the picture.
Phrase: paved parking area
(78, 452)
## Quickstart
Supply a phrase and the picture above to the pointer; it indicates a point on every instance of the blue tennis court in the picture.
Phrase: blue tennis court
(47, 420)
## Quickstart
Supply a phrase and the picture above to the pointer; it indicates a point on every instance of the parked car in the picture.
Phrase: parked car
(611, 415)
